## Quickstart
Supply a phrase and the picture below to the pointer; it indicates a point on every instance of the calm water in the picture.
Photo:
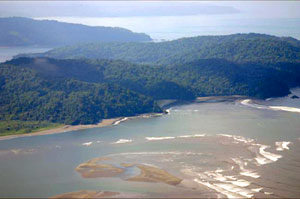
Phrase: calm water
(210, 164)
(7, 53)
(174, 27)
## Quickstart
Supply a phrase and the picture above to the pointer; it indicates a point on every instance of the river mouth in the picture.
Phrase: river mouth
(222, 165)
(199, 150)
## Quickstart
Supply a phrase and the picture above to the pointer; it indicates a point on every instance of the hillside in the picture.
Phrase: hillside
(238, 48)
(79, 86)
(30, 96)
(18, 31)
(203, 77)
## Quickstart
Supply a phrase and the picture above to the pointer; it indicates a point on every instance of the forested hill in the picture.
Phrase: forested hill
(28, 95)
(205, 77)
(36, 91)
(240, 48)
(18, 31)
(87, 89)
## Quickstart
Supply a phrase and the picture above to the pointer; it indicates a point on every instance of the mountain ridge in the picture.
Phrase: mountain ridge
(85, 89)
(20, 31)
(240, 48)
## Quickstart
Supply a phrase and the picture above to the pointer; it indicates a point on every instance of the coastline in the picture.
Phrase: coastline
(68, 128)
(64, 129)
(220, 98)
(164, 104)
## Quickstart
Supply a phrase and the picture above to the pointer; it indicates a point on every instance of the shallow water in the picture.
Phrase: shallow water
(224, 149)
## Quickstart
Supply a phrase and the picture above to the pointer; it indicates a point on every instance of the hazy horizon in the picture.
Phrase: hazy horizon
(169, 20)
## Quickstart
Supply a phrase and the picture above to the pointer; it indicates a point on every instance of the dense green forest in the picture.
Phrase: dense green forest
(19, 31)
(89, 88)
(28, 96)
(238, 48)
(203, 77)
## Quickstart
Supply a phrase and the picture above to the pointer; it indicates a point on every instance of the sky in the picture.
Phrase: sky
(265, 9)
(169, 19)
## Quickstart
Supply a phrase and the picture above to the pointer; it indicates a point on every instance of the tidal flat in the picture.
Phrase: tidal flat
(218, 149)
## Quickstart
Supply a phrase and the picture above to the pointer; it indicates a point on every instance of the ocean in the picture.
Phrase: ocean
(175, 27)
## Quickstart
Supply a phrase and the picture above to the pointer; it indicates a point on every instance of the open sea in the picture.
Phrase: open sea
(174, 27)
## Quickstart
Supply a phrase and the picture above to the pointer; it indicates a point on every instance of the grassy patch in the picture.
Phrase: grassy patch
(15, 127)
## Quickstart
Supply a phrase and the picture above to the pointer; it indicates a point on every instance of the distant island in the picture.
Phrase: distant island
(83, 84)
(19, 31)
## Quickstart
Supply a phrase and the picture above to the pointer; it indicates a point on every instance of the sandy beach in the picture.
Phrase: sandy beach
(114, 121)
(66, 128)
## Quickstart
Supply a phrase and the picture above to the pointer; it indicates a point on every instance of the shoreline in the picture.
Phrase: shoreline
(221, 98)
(164, 104)
(68, 128)
(63, 129)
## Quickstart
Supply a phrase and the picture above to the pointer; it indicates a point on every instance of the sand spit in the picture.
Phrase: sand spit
(154, 174)
(148, 173)
(121, 120)
(67, 128)
(144, 116)
(87, 194)
(93, 169)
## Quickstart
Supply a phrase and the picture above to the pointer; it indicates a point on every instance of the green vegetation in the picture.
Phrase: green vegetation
(204, 77)
(18, 31)
(89, 88)
(28, 96)
(15, 127)
(238, 48)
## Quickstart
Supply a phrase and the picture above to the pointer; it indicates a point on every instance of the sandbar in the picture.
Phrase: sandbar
(87, 194)
(153, 174)
(94, 169)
